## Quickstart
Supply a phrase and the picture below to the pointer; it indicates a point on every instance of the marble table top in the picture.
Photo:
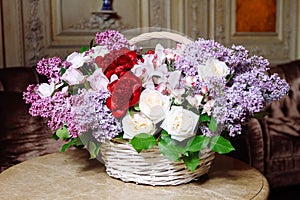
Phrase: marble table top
(71, 175)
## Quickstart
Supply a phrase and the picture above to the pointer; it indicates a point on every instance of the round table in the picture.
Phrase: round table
(71, 175)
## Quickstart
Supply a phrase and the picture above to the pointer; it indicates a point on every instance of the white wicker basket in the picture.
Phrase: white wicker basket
(150, 167)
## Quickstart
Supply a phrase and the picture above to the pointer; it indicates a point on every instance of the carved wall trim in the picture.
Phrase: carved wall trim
(34, 34)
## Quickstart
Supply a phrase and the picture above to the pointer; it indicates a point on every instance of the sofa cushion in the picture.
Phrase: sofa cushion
(22, 136)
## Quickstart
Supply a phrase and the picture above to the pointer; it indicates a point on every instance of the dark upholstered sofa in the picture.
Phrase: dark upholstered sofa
(272, 145)
(21, 136)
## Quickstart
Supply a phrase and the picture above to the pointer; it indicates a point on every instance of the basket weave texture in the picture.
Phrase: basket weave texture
(150, 167)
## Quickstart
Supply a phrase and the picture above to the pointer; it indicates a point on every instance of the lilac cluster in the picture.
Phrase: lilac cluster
(91, 114)
(56, 108)
(248, 91)
(198, 52)
(249, 94)
(50, 67)
(112, 39)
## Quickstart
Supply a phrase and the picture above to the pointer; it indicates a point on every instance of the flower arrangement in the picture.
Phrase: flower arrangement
(181, 99)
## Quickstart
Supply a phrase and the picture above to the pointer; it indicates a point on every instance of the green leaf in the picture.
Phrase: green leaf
(142, 141)
(63, 70)
(212, 125)
(192, 160)
(169, 150)
(197, 143)
(69, 144)
(137, 108)
(93, 149)
(220, 145)
(83, 49)
(204, 118)
(165, 136)
(63, 133)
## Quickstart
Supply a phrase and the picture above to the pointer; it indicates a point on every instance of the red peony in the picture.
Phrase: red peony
(125, 92)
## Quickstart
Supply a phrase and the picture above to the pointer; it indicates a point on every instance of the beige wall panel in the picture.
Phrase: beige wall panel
(13, 40)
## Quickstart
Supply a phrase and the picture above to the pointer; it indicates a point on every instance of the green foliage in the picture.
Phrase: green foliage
(197, 143)
(191, 160)
(143, 141)
(204, 118)
(169, 148)
(93, 148)
(212, 125)
(62, 133)
(220, 145)
(83, 49)
(69, 144)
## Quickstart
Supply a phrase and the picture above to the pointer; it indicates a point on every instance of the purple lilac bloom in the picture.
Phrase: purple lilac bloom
(112, 39)
(91, 113)
(51, 68)
(198, 52)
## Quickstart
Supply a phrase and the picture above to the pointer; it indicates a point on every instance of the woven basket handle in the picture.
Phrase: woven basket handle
(160, 35)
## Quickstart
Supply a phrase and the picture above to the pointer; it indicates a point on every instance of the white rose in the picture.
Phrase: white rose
(73, 76)
(46, 90)
(138, 123)
(180, 123)
(154, 104)
(98, 81)
(213, 67)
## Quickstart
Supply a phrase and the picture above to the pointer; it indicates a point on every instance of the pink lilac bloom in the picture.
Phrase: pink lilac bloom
(91, 114)
(50, 67)
(112, 39)
(31, 95)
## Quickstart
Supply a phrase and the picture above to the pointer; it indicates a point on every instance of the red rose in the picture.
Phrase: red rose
(117, 62)
(125, 92)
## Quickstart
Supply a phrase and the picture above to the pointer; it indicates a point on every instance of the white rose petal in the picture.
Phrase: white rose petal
(154, 104)
(180, 123)
(138, 123)
(213, 67)
(76, 59)
(98, 81)
(46, 90)
(72, 76)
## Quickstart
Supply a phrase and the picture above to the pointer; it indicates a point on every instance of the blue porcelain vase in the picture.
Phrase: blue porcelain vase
(107, 5)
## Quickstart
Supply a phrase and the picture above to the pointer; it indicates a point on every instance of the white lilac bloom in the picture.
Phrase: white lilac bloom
(154, 104)
(180, 123)
(135, 124)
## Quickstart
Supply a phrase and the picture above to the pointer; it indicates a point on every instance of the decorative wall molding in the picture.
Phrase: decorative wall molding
(34, 34)
(32, 29)
(100, 21)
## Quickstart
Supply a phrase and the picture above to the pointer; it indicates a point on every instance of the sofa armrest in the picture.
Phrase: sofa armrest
(255, 141)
